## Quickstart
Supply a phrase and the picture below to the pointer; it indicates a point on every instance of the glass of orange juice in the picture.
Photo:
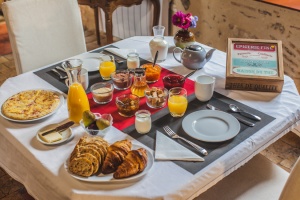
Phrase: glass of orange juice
(177, 102)
(107, 66)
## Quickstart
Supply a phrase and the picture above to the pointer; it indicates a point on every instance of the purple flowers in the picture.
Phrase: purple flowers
(184, 21)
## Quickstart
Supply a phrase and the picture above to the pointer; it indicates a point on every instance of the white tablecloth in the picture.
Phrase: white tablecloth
(41, 168)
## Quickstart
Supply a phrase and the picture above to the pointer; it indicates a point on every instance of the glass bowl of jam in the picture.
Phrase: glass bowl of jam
(152, 73)
(173, 80)
(127, 104)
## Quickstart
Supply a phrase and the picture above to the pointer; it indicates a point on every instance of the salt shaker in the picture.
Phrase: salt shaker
(133, 60)
(143, 121)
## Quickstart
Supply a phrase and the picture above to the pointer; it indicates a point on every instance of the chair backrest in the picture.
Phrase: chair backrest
(137, 20)
(42, 32)
(291, 188)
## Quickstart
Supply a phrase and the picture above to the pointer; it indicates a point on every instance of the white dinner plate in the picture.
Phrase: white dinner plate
(66, 134)
(90, 61)
(61, 98)
(108, 178)
(211, 125)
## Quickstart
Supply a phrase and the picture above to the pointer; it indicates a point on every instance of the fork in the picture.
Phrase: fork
(172, 134)
(59, 74)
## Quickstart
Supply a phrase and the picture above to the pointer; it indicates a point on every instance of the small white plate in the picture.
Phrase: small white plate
(90, 61)
(66, 134)
(211, 125)
(108, 178)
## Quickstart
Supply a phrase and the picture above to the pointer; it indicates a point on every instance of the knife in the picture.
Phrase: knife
(59, 128)
(238, 118)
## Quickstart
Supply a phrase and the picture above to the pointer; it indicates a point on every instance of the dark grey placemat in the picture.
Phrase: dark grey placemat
(94, 77)
(215, 149)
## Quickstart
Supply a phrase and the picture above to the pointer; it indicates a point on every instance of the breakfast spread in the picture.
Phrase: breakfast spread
(93, 155)
(30, 104)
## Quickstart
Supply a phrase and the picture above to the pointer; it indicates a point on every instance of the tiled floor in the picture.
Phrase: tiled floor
(284, 152)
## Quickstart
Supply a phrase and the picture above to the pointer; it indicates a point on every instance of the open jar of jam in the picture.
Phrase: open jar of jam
(173, 80)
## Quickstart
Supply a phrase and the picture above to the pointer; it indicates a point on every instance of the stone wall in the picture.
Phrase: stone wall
(221, 19)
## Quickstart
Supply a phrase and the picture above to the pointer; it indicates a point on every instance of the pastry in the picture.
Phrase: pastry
(134, 163)
(115, 155)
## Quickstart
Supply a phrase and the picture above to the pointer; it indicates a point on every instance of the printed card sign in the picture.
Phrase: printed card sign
(250, 63)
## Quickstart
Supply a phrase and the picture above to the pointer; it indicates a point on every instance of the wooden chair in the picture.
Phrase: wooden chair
(257, 179)
(109, 6)
(42, 32)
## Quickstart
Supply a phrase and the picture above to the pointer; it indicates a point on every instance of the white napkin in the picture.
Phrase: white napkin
(120, 52)
(167, 149)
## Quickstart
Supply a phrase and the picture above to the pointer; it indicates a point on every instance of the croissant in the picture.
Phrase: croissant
(116, 154)
(134, 163)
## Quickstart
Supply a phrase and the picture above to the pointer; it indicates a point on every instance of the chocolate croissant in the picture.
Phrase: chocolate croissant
(134, 163)
(116, 154)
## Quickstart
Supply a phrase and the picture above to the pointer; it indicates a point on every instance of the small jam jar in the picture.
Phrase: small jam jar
(143, 121)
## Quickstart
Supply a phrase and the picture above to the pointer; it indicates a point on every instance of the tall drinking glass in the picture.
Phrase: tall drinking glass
(107, 66)
(177, 102)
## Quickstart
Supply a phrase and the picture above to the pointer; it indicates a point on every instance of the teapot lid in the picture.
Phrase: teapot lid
(194, 47)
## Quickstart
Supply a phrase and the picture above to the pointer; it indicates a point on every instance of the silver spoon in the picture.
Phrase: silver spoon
(235, 108)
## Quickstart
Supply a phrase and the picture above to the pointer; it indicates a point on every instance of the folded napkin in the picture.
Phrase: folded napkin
(167, 149)
(120, 52)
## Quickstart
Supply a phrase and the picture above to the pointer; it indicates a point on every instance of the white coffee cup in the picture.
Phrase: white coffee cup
(204, 87)
(83, 79)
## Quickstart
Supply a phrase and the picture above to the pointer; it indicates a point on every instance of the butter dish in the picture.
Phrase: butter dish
(54, 137)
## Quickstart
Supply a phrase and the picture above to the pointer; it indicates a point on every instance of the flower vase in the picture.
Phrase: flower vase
(184, 38)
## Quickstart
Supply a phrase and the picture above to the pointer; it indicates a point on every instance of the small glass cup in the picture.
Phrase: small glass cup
(102, 92)
(127, 104)
(142, 121)
(122, 79)
(152, 73)
(177, 102)
(173, 80)
(107, 66)
(133, 60)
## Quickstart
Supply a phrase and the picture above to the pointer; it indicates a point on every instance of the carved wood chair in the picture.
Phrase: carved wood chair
(109, 6)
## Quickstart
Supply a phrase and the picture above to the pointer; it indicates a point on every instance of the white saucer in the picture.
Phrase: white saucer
(211, 125)
(66, 134)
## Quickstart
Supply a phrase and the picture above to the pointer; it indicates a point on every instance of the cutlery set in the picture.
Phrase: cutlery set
(232, 107)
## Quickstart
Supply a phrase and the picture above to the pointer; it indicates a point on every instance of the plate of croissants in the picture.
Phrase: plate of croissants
(95, 160)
